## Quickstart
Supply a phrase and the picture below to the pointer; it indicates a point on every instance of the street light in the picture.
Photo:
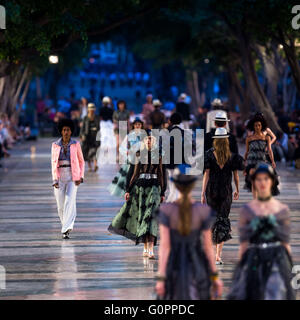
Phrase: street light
(53, 59)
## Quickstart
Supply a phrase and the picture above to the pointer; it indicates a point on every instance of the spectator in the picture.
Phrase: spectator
(147, 109)
(157, 118)
(184, 110)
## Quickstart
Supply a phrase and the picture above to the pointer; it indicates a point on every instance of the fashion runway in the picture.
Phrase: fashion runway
(93, 264)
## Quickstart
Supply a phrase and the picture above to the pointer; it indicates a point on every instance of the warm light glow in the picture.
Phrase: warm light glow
(53, 59)
(280, 46)
(206, 60)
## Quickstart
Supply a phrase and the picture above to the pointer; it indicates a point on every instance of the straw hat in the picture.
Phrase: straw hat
(156, 102)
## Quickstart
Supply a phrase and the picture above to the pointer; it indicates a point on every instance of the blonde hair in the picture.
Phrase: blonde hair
(221, 146)
(185, 208)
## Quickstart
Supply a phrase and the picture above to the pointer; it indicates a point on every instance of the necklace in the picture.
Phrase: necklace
(264, 199)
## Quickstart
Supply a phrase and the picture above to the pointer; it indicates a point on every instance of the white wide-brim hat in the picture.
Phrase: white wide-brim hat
(221, 116)
(106, 100)
(156, 102)
(220, 133)
(217, 102)
(91, 106)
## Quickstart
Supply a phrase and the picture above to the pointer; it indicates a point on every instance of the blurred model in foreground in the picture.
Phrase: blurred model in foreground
(264, 271)
(186, 267)
(219, 164)
(67, 173)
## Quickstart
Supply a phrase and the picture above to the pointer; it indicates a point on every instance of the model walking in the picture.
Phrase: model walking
(145, 190)
(67, 173)
(89, 137)
(256, 146)
(186, 267)
(122, 114)
(264, 271)
(219, 164)
(129, 146)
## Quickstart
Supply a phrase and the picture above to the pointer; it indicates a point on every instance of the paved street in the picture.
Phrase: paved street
(93, 264)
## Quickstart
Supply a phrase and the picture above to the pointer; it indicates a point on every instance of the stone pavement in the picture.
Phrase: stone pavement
(93, 264)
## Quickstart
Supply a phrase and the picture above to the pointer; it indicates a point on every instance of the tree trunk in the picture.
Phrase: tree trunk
(11, 88)
(257, 94)
(193, 89)
(291, 55)
(271, 74)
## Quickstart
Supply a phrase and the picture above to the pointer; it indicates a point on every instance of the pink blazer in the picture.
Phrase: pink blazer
(77, 161)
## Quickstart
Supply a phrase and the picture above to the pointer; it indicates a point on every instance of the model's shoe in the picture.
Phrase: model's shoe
(219, 262)
(66, 235)
(145, 253)
(96, 169)
(151, 255)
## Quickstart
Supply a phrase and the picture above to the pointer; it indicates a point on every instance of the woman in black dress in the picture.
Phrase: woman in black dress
(219, 164)
(88, 136)
(264, 271)
(186, 267)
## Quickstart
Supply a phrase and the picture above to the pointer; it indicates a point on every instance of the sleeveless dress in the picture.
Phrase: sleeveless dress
(146, 183)
(265, 269)
(187, 273)
(219, 192)
(257, 154)
(118, 185)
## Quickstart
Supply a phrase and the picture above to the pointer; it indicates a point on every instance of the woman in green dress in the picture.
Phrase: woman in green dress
(145, 190)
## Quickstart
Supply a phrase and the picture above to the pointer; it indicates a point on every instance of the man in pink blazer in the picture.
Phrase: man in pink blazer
(67, 174)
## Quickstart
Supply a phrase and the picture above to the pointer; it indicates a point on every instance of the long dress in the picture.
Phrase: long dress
(146, 183)
(118, 184)
(88, 133)
(187, 273)
(257, 154)
(265, 270)
(219, 192)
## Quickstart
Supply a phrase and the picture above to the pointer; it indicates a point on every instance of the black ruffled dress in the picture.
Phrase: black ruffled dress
(265, 270)
(187, 273)
(219, 192)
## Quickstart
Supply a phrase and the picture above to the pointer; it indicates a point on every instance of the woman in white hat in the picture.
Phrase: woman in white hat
(219, 164)
(90, 142)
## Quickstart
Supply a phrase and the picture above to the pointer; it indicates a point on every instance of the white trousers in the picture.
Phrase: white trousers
(66, 199)
(173, 194)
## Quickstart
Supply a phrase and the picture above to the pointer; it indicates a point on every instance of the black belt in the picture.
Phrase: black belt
(65, 166)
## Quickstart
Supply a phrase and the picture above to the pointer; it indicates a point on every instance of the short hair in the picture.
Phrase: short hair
(176, 118)
(220, 123)
(65, 123)
(121, 101)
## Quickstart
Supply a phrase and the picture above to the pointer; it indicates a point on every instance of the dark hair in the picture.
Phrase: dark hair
(258, 117)
(220, 123)
(65, 123)
(176, 118)
(121, 101)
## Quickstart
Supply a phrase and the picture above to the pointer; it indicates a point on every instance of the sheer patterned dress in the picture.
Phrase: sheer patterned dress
(257, 154)
(146, 184)
(187, 272)
(265, 269)
(219, 192)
